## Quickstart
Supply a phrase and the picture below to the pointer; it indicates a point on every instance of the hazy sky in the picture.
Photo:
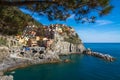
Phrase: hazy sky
(106, 29)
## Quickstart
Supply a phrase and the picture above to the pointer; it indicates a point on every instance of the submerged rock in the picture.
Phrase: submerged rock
(67, 60)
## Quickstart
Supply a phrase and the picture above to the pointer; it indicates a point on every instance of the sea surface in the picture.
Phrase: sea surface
(82, 67)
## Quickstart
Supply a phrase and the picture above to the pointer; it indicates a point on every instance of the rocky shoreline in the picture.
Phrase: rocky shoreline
(5, 77)
(21, 64)
(105, 57)
(10, 63)
(13, 63)
(10, 77)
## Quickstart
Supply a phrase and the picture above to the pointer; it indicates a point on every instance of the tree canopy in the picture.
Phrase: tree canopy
(13, 21)
(62, 9)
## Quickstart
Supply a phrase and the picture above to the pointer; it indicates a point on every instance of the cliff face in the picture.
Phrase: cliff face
(63, 47)
(66, 43)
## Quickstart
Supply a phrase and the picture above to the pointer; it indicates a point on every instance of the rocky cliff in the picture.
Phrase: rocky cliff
(63, 47)
(66, 41)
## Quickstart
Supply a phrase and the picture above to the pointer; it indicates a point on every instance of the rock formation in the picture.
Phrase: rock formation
(66, 43)
(5, 77)
(10, 77)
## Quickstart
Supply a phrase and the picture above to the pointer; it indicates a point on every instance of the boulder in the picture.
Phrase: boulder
(10, 77)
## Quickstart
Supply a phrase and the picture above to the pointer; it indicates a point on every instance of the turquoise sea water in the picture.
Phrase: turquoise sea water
(81, 68)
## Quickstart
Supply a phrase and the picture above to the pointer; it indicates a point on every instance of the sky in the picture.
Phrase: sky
(105, 30)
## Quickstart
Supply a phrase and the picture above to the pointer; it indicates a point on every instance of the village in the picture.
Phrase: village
(41, 45)
(43, 37)
(40, 38)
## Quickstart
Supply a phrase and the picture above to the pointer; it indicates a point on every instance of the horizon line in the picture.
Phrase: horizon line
(100, 42)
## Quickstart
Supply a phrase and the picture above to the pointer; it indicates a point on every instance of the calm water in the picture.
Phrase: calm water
(81, 68)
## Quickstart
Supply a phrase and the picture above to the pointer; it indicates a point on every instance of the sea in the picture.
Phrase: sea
(82, 67)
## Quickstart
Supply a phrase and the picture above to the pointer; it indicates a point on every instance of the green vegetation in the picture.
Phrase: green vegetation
(62, 9)
(73, 39)
(13, 21)
(3, 41)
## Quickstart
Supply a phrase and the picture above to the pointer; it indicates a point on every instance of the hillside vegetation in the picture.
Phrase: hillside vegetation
(13, 21)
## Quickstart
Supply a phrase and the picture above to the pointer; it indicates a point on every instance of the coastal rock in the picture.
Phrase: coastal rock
(10, 77)
(4, 51)
(1, 73)
(67, 60)
(106, 57)
(51, 55)
(61, 46)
